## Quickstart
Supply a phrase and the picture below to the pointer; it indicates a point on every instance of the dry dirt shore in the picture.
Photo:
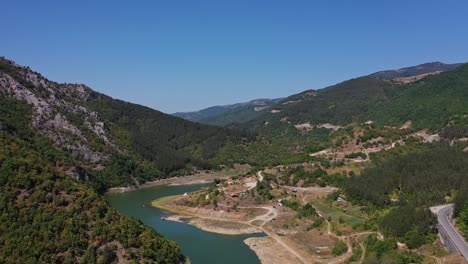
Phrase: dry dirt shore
(199, 178)
(270, 252)
(203, 222)
(271, 249)
(223, 227)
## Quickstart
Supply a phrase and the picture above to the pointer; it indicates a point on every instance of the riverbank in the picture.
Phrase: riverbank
(270, 252)
(210, 248)
(198, 178)
(237, 211)
(203, 222)
(223, 227)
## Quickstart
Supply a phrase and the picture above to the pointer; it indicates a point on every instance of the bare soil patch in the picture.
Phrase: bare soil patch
(270, 252)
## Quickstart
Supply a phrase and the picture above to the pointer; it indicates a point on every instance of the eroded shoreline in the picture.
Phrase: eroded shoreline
(267, 249)
(208, 224)
(200, 177)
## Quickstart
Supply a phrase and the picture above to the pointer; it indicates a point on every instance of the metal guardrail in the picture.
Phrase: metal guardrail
(446, 239)
(444, 234)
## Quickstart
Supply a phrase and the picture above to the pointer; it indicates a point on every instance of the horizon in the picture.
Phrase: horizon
(236, 52)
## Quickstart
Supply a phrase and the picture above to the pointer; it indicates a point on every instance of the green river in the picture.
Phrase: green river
(200, 246)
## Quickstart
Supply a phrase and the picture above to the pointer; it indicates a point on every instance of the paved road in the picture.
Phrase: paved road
(443, 213)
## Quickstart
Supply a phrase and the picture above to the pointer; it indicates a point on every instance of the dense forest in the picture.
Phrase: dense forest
(339, 104)
(48, 217)
(112, 142)
(409, 182)
(169, 142)
(432, 102)
(411, 71)
(229, 114)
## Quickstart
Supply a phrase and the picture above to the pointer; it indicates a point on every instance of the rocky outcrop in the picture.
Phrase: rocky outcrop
(59, 110)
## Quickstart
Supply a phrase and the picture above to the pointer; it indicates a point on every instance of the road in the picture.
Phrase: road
(265, 218)
(443, 213)
(260, 176)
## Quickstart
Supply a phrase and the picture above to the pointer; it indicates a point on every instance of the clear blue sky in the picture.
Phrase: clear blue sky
(185, 55)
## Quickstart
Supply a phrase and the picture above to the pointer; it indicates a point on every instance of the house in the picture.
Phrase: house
(234, 195)
(294, 190)
(230, 181)
(340, 199)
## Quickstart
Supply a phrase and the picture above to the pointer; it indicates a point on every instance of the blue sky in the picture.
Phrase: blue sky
(185, 55)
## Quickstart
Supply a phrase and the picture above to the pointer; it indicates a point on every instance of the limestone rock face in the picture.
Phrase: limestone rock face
(60, 111)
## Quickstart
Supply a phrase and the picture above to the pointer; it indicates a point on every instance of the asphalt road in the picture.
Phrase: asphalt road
(457, 239)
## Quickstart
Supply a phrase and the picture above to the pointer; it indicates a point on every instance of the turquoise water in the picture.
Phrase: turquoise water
(200, 246)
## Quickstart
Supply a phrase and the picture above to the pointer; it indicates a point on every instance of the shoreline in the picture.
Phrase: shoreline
(207, 224)
(262, 250)
(232, 228)
(269, 251)
(197, 178)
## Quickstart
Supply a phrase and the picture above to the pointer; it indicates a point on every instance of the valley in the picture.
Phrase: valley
(303, 224)
(234, 132)
(344, 174)
(198, 245)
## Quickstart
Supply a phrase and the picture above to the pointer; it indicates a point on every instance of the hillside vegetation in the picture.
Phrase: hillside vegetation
(230, 114)
(112, 142)
(417, 70)
(170, 143)
(48, 217)
(433, 102)
(408, 180)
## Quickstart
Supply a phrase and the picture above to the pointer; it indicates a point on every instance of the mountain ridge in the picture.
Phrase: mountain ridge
(210, 113)
(372, 98)
(234, 115)
(50, 163)
(100, 133)
(420, 69)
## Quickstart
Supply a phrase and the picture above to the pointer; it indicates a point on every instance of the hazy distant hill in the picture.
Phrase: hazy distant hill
(228, 114)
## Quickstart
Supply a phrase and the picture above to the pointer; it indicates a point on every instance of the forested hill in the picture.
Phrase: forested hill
(230, 114)
(48, 217)
(432, 102)
(169, 142)
(425, 68)
(108, 141)
(407, 181)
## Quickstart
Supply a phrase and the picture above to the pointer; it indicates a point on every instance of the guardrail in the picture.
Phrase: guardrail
(446, 235)
(446, 239)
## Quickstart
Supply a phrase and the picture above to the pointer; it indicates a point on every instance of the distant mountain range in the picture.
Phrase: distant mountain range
(227, 114)
(349, 101)
(430, 102)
